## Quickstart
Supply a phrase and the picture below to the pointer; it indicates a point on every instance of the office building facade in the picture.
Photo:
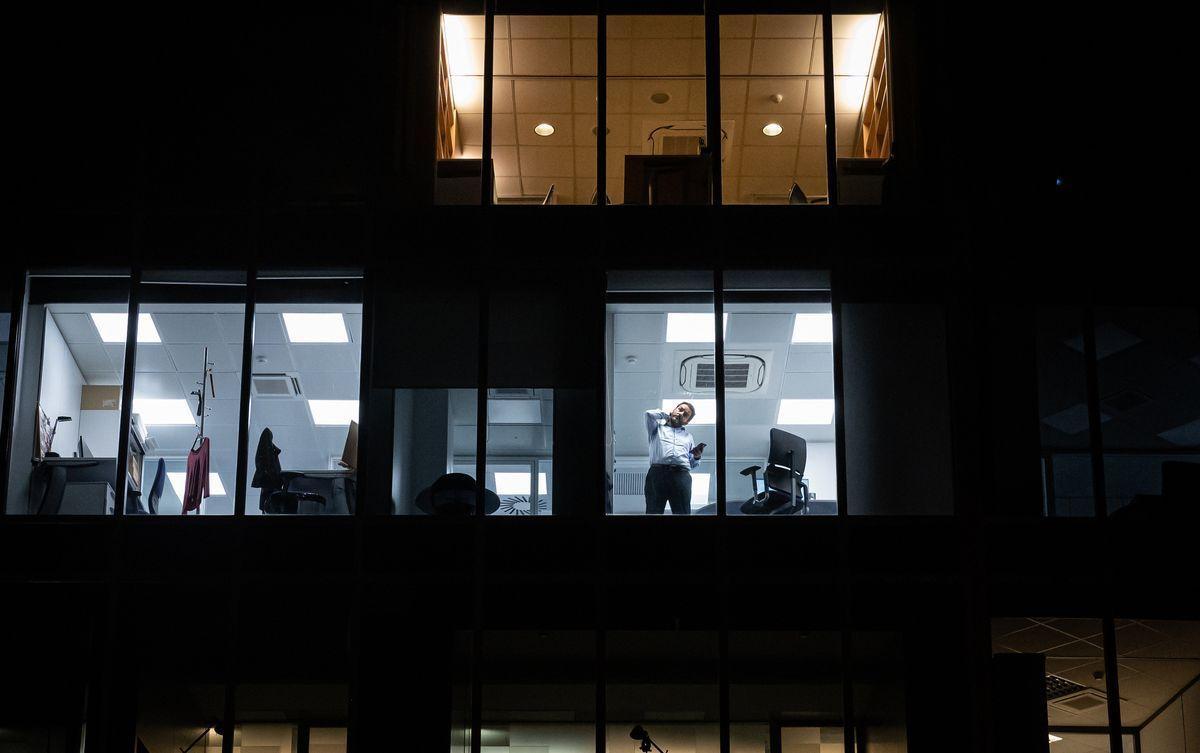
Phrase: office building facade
(345, 353)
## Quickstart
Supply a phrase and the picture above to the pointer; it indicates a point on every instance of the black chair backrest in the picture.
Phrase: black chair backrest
(786, 449)
(156, 487)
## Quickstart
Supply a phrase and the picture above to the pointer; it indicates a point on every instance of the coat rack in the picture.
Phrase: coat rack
(206, 384)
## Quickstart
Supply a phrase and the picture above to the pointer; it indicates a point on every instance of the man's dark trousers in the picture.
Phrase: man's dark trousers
(668, 483)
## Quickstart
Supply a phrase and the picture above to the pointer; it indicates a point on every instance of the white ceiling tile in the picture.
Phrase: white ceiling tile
(90, 357)
(280, 412)
(585, 164)
(501, 59)
(735, 57)
(158, 386)
(855, 25)
(76, 328)
(270, 358)
(642, 89)
(354, 322)
(116, 356)
(847, 128)
(813, 185)
(812, 131)
(189, 357)
(541, 57)
(504, 131)
(539, 27)
(585, 189)
(736, 27)
(781, 57)
(810, 161)
(764, 186)
(667, 57)
(760, 93)
(814, 100)
(745, 328)
(547, 161)
(101, 377)
(153, 357)
(505, 160)
(508, 186)
(666, 27)
(331, 385)
(763, 161)
(232, 327)
(620, 58)
(583, 95)
(639, 328)
(797, 26)
(619, 27)
(808, 384)
(221, 412)
(188, 328)
(583, 27)
(848, 93)
(729, 190)
(172, 440)
(619, 96)
(810, 357)
(733, 95)
(326, 356)
(268, 328)
(638, 384)
(583, 57)
(564, 188)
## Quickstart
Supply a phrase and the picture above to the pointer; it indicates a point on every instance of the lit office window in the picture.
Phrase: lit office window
(660, 408)
(434, 441)
(174, 716)
(1158, 662)
(186, 393)
(67, 412)
(661, 691)
(1148, 374)
(304, 396)
(292, 717)
(878, 677)
(1066, 461)
(656, 110)
(785, 691)
(862, 101)
(544, 110)
(779, 399)
(520, 444)
(772, 110)
(538, 690)
(460, 108)
(1058, 661)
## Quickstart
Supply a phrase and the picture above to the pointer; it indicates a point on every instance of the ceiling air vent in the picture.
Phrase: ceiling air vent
(1081, 701)
(274, 385)
(1057, 687)
(681, 145)
(744, 372)
(504, 393)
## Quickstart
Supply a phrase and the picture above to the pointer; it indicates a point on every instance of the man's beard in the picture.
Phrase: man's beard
(674, 422)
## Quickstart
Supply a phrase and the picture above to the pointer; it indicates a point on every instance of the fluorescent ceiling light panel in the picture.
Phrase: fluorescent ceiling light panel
(514, 411)
(164, 411)
(700, 484)
(706, 410)
(518, 483)
(112, 327)
(813, 328)
(333, 412)
(805, 412)
(316, 328)
(177, 479)
(693, 328)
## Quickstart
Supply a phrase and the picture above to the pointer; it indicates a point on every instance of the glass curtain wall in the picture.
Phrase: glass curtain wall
(661, 448)
(772, 110)
(66, 416)
(186, 393)
(304, 395)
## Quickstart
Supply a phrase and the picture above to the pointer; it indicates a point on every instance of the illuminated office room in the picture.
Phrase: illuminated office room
(779, 397)
(773, 125)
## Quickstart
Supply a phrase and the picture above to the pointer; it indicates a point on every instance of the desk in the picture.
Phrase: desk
(338, 487)
(72, 486)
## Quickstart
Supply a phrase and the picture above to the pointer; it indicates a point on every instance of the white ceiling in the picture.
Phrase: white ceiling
(171, 369)
(797, 370)
(1156, 659)
(545, 69)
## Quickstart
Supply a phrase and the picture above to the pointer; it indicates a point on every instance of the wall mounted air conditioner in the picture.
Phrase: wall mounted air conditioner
(745, 372)
(278, 385)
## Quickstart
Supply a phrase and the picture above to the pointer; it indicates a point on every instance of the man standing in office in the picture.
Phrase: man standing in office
(673, 455)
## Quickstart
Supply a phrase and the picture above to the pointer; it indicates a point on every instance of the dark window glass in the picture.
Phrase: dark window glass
(1066, 462)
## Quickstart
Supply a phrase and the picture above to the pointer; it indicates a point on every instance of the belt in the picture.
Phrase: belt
(669, 467)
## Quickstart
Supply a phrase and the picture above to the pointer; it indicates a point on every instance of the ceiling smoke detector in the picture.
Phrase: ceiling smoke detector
(660, 98)
(776, 98)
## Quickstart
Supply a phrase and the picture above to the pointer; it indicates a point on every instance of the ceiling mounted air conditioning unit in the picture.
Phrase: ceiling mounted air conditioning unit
(275, 385)
(1080, 702)
(744, 372)
(512, 393)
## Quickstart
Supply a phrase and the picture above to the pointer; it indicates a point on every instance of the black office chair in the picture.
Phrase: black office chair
(796, 195)
(287, 502)
(133, 502)
(785, 492)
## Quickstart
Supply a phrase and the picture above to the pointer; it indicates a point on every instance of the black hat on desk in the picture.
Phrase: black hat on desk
(454, 494)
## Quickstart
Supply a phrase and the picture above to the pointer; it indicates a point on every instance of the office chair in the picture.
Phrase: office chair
(133, 501)
(796, 195)
(785, 492)
(551, 197)
(453, 494)
(284, 501)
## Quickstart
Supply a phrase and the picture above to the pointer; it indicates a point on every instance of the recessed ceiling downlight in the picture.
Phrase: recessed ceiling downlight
(660, 98)
(543, 129)
(772, 129)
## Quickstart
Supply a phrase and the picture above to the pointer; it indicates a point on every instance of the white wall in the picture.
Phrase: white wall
(1165, 733)
(61, 388)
